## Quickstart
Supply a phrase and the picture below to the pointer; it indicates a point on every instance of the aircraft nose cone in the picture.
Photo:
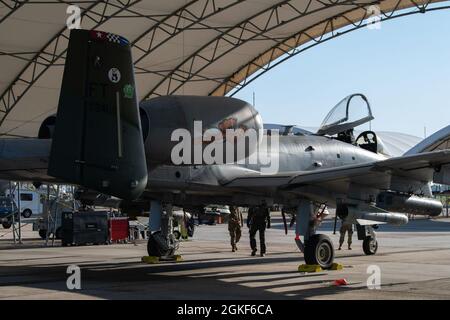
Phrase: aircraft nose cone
(398, 219)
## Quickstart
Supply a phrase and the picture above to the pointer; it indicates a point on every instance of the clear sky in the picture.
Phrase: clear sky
(403, 69)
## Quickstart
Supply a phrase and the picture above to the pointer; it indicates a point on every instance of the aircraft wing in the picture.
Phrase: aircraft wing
(24, 159)
(377, 174)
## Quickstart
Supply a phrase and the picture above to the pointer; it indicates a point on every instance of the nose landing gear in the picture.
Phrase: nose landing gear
(318, 249)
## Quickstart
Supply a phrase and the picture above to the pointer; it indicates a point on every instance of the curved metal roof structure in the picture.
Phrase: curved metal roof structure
(196, 47)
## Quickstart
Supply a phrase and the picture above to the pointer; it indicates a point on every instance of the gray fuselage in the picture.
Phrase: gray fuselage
(203, 184)
(196, 185)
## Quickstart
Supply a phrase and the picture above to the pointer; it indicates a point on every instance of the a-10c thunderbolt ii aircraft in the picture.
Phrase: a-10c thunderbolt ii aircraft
(102, 140)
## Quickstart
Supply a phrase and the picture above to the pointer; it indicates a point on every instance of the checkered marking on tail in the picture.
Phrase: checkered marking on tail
(110, 37)
(113, 38)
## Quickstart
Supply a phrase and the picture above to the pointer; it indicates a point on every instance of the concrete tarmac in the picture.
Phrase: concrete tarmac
(414, 261)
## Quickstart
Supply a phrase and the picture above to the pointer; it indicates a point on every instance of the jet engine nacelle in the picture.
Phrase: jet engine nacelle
(166, 121)
(394, 202)
(47, 127)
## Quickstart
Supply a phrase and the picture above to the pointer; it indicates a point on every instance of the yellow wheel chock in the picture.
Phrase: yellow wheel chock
(336, 266)
(155, 260)
(309, 268)
(150, 259)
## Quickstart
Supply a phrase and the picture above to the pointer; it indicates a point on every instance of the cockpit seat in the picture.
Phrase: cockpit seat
(368, 140)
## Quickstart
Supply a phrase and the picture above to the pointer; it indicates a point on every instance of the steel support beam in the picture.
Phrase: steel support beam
(305, 39)
(192, 13)
(198, 14)
(11, 6)
(254, 28)
(53, 51)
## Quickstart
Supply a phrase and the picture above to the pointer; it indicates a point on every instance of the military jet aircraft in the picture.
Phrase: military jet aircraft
(102, 140)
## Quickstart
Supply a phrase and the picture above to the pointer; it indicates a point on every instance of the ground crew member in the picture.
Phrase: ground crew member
(346, 227)
(235, 222)
(258, 219)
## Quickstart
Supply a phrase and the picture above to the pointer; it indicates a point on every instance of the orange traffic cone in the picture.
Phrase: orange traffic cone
(340, 282)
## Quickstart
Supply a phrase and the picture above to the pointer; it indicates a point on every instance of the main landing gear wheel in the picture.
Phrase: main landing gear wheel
(158, 246)
(370, 246)
(319, 250)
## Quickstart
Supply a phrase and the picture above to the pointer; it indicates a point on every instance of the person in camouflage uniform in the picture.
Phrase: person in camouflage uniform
(235, 223)
(346, 227)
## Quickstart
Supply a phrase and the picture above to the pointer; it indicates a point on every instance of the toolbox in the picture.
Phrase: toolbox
(80, 227)
(118, 229)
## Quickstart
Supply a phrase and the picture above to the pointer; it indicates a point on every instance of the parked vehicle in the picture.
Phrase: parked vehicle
(30, 202)
(211, 213)
(52, 222)
(8, 209)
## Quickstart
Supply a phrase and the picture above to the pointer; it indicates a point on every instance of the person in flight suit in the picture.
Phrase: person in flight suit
(235, 223)
(346, 227)
(258, 219)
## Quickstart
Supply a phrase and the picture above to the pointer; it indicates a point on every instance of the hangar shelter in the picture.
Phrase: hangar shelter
(188, 47)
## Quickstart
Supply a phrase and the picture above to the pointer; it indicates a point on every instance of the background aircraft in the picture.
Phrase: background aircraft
(102, 140)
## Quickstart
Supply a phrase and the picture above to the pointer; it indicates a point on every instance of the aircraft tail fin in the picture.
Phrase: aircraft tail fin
(97, 140)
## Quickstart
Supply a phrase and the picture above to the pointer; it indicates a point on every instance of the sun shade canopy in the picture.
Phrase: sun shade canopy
(183, 47)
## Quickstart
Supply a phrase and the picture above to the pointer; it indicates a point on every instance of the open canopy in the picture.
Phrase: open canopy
(351, 112)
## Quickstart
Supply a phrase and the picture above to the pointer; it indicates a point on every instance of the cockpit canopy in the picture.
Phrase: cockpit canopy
(351, 112)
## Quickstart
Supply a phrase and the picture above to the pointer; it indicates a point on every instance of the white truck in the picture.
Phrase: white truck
(30, 202)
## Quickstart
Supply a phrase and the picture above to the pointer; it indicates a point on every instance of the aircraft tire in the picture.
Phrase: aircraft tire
(319, 250)
(157, 246)
(370, 246)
